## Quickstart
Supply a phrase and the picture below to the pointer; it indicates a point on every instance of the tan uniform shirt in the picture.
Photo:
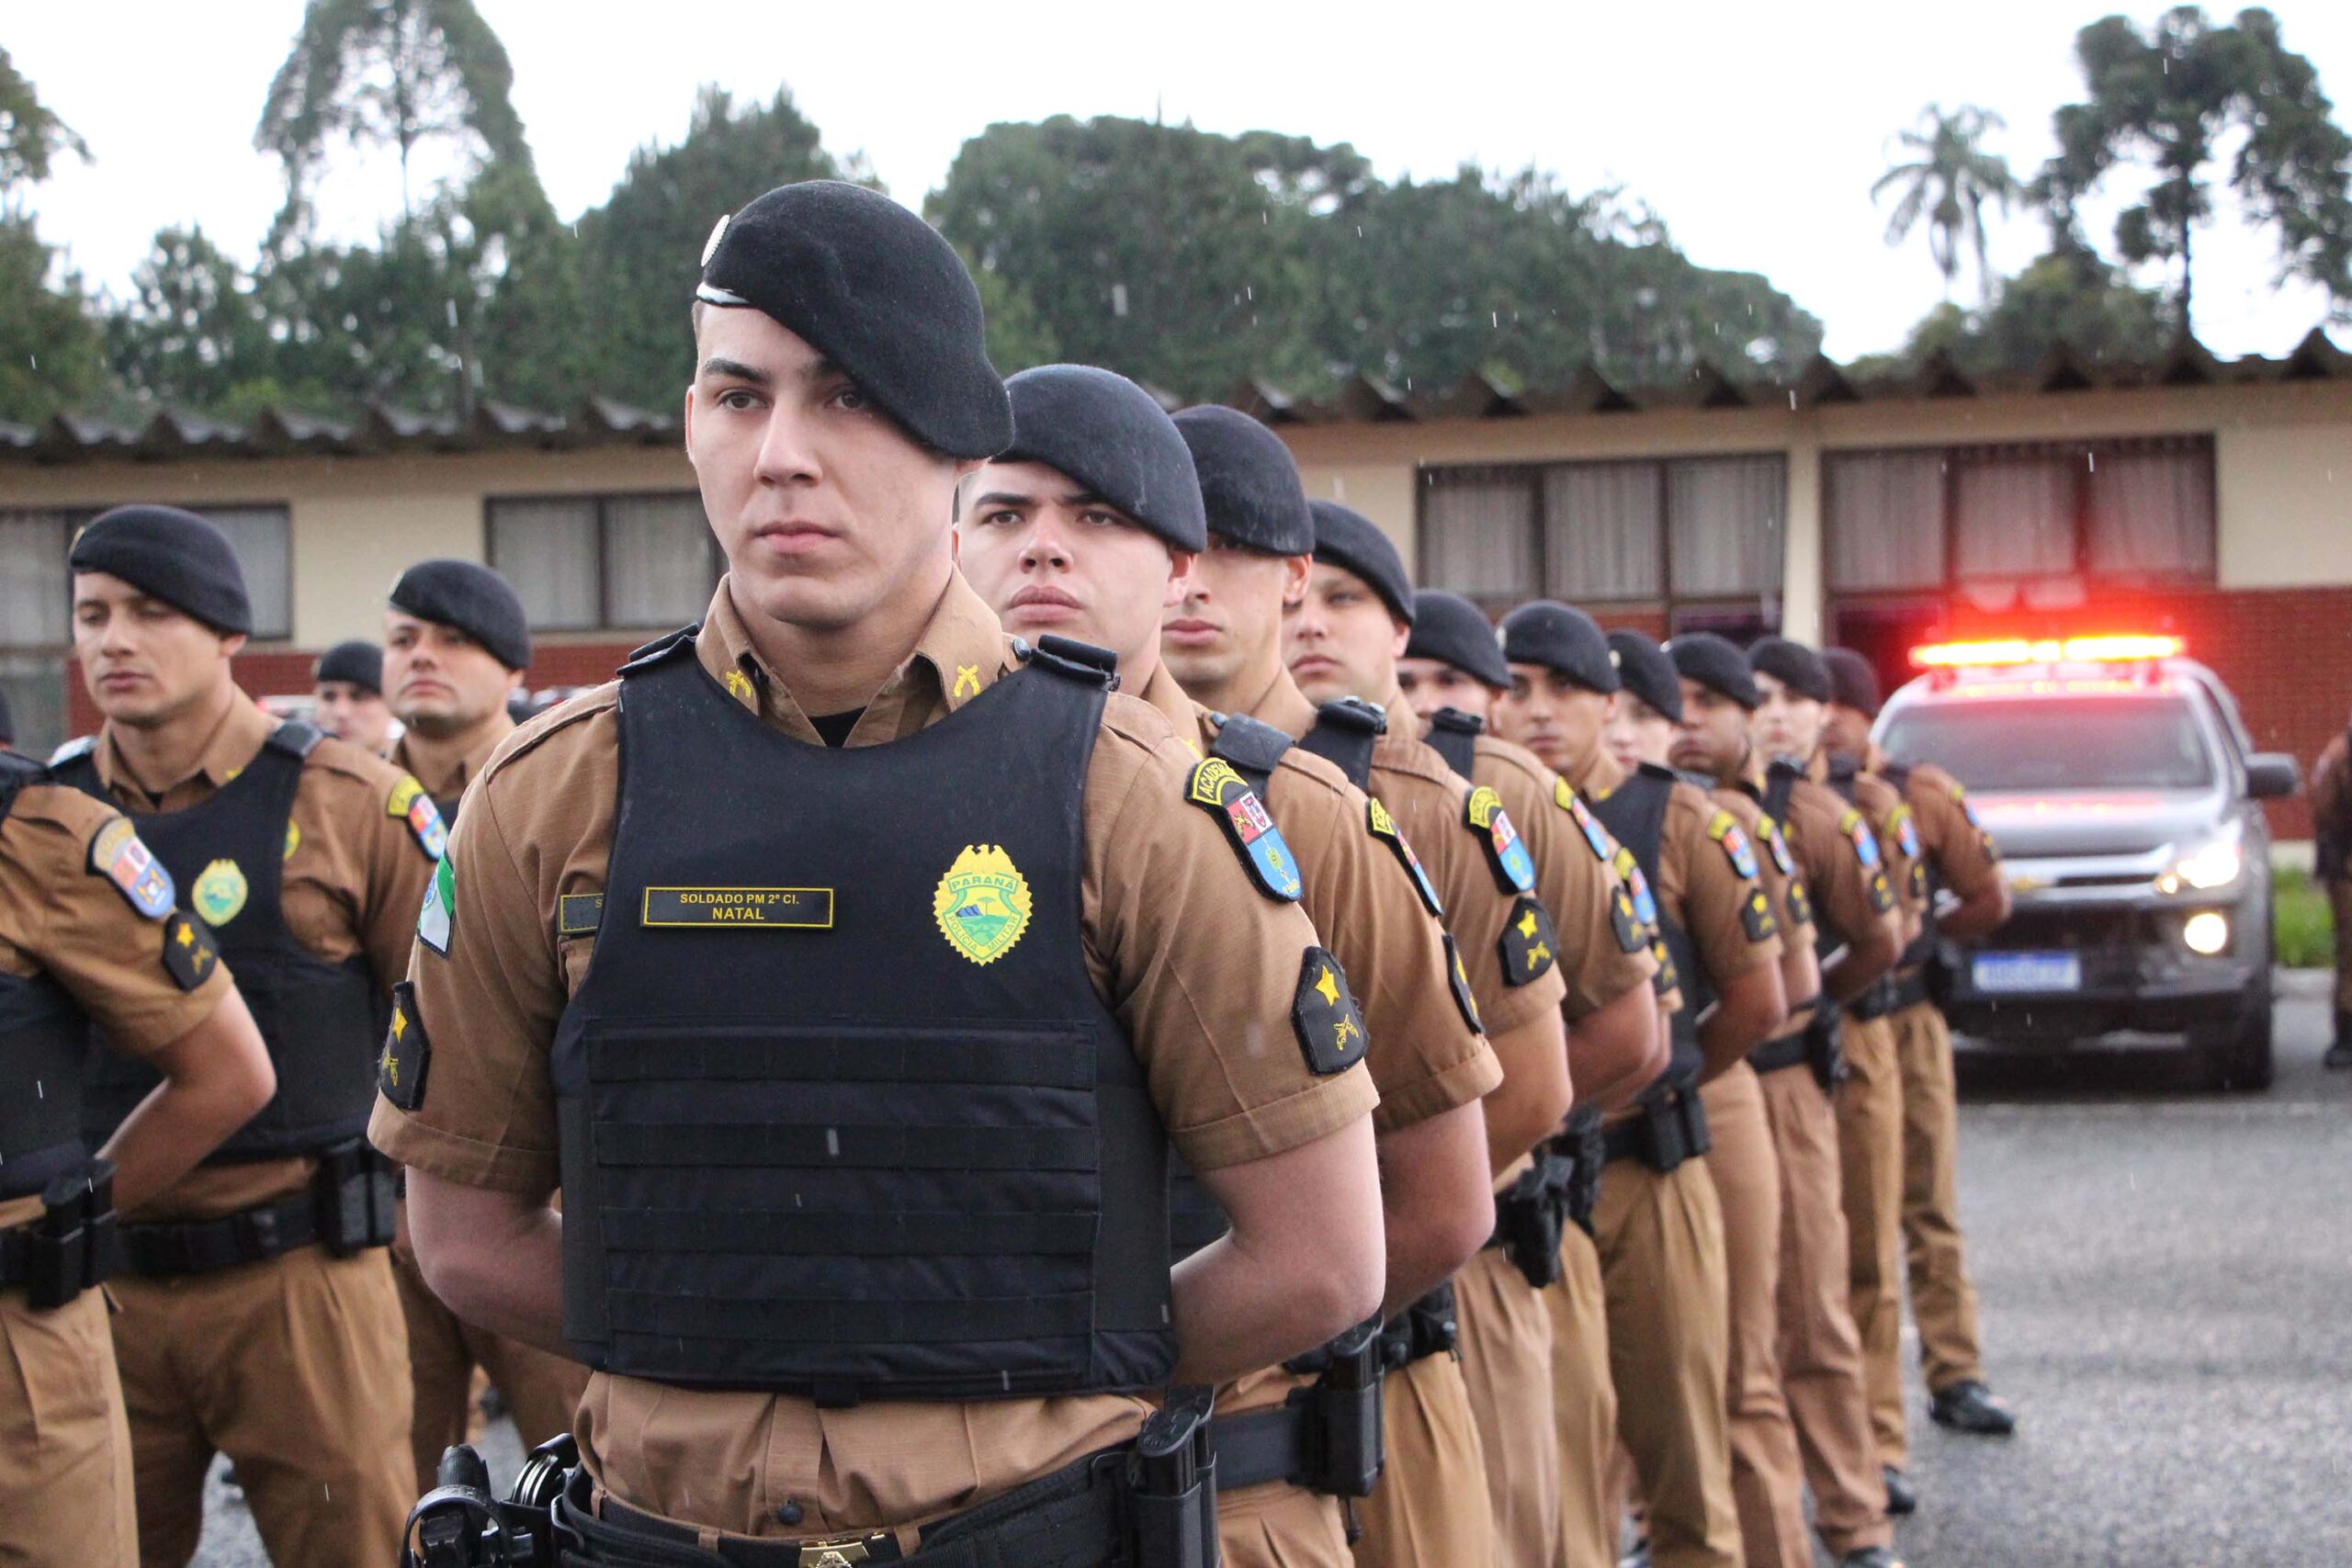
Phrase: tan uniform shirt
(449, 782)
(1965, 858)
(62, 916)
(354, 877)
(1848, 897)
(1199, 966)
(1784, 889)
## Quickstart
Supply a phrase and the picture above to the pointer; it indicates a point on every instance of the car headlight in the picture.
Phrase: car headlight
(2215, 863)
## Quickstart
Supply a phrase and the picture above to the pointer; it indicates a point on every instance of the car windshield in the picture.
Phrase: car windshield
(2047, 743)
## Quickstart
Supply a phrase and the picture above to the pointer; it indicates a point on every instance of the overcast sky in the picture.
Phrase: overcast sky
(1755, 131)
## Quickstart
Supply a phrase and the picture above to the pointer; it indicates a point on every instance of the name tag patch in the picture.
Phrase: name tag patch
(779, 908)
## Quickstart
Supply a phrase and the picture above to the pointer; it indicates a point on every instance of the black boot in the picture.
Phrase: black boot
(1969, 1406)
(2340, 1054)
(1901, 1498)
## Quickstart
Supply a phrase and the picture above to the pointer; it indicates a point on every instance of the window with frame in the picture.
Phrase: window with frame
(605, 562)
(1705, 537)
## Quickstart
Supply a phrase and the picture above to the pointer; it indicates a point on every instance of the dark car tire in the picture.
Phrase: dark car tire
(2241, 1060)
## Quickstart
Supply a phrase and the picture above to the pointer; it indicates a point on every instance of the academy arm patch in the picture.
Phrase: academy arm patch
(1459, 978)
(1224, 794)
(1756, 916)
(1596, 837)
(1528, 945)
(1330, 1028)
(399, 1071)
(1507, 854)
(1906, 831)
(116, 854)
(1383, 825)
(189, 954)
(1776, 844)
(438, 918)
(1725, 829)
(410, 804)
(1865, 842)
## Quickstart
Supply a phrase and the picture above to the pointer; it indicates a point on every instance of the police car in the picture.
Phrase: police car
(2124, 790)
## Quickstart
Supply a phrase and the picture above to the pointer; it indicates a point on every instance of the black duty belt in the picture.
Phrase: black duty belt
(1909, 988)
(1532, 1212)
(1876, 1001)
(1818, 1045)
(1325, 1437)
(1668, 1127)
(71, 1248)
(1150, 1504)
(347, 1208)
(1426, 1328)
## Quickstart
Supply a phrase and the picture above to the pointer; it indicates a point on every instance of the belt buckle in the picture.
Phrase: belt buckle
(839, 1552)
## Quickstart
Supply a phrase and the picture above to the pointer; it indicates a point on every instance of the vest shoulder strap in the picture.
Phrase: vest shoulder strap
(1342, 735)
(16, 773)
(660, 649)
(1074, 661)
(1780, 782)
(1453, 735)
(1254, 747)
(1896, 774)
(295, 738)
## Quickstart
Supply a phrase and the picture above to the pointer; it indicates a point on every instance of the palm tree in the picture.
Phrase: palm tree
(1949, 182)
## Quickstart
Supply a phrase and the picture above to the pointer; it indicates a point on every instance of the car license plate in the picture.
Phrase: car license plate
(2009, 972)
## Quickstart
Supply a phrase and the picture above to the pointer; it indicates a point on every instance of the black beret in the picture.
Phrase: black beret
(1452, 630)
(1717, 664)
(1350, 539)
(7, 721)
(1793, 664)
(1643, 669)
(1562, 637)
(1248, 484)
(1851, 680)
(1109, 435)
(356, 662)
(170, 555)
(877, 290)
(470, 596)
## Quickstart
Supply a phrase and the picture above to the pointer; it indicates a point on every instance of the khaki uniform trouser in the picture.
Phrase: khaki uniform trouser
(297, 1368)
(1869, 1150)
(1280, 1525)
(1430, 1504)
(1767, 1476)
(1943, 1299)
(1661, 1241)
(1507, 1365)
(1821, 1358)
(542, 1391)
(66, 1475)
(1584, 1405)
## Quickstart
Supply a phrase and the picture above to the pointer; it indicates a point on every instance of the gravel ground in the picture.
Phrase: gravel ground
(2166, 1278)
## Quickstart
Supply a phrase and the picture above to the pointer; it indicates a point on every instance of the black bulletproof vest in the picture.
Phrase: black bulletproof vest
(841, 1114)
(1923, 946)
(1780, 779)
(1635, 813)
(43, 1037)
(323, 1022)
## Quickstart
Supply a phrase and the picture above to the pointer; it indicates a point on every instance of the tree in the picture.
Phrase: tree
(1949, 182)
(50, 346)
(31, 139)
(2169, 97)
(2069, 298)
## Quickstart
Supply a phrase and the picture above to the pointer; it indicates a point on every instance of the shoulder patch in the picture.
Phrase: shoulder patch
(1630, 870)
(438, 917)
(116, 854)
(1596, 837)
(1528, 945)
(1776, 844)
(408, 802)
(1627, 926)
(1915, 885)
(1382, 824)
(1800, 902)
(189, 953)
(400, 1070)
(1882, 895)
(1906, 831)
(1725, 829)
(1217, 789)
(1459, 978)
(1484, 815)
(1756, 916)
(1330, 1028)
(1865, 842)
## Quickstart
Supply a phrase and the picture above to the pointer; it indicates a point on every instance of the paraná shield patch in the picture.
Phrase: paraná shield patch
(1459, 978)
(1528, 945)
(1217, 789)
(438, 918)
(1330, 1030)
(1514, 868)
(1756, 916)
(189, 954)
(116, 854)
(1596, 837)
(1383, 825)
(1776, 844)
(1725, 829)
(400, 1070)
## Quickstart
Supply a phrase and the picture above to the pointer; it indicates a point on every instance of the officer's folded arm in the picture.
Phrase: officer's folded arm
(1303, 1261)
(495, 1257)
(1748, 1007)
(1859, 964)
(1438, 1197)
(1618, 1049)
(1986, 908)
(216, 1077)
(1535, 1093)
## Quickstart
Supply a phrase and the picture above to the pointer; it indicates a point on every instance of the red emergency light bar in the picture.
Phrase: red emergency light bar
(2110, 649)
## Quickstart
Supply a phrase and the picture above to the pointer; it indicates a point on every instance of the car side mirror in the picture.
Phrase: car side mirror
(2272, 775)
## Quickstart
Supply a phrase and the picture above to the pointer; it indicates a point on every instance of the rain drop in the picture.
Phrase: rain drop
(832, 1143)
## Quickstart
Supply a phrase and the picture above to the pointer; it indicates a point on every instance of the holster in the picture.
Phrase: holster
(1911, 986)
(1325, 1438)
(71, 1248)
(1587, 1151)
(460, 1525)
(1426, 1328)
(347, 1209)
(1824, 1048)
(1669, 1127)
(356, 1195)
(1530, 1215)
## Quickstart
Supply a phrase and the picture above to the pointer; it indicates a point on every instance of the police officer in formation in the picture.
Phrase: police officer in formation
(1079, 1020)
(2332, 822)
(347, 695)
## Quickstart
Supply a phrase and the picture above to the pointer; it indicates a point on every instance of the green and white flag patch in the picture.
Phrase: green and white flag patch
(432, 921)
